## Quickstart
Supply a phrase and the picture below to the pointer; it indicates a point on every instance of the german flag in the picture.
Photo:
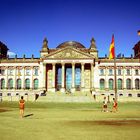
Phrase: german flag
(112, 49)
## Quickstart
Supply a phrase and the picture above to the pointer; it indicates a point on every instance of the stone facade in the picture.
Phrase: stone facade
(70, 67)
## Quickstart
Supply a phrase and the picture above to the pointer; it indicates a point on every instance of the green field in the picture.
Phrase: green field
(69, 121)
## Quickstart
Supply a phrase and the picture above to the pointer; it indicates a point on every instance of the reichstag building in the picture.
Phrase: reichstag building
(70, 67)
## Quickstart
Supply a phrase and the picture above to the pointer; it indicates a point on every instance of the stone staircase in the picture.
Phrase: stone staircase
(65, 98)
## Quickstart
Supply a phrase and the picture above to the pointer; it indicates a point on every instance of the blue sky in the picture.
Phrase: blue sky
(25, 23)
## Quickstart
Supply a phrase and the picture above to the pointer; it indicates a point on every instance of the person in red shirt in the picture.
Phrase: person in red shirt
(115, 106)
(21, 106)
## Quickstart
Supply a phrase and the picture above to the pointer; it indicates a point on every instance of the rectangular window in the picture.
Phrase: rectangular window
(27, 72)
(136, 72)
(10, 72)
(128, 72)
(119, 72)
(2, 72)
(101, 71)
(36, 71)
(110, 72)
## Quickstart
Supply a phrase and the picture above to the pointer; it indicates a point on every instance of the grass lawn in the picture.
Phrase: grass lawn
(69, 121)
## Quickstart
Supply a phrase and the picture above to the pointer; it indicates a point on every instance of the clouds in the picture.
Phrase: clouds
(11, 54)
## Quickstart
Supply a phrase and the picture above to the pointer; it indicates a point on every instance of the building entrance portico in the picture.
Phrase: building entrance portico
(68, 77)
(69, 68)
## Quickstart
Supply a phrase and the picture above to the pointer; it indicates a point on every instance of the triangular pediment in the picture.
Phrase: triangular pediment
(69, 53)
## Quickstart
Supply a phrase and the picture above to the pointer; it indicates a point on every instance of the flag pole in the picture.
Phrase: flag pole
(115, 75)
(113, 56)
(115, 80)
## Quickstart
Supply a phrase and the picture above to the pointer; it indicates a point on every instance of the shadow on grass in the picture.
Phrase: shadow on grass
(135, 123)
(28, 115)
(3, 110)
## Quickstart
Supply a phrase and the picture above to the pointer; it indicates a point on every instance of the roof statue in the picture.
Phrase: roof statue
(93, 49)
(93, 45)
(45, 49)
(45, 45)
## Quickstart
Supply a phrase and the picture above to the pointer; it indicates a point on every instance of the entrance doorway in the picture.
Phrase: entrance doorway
(68, 78)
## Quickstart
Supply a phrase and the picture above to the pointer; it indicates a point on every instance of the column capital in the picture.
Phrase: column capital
(53, 64)
(82, 63)
(73, 63)
(63, 64)
(31, 67)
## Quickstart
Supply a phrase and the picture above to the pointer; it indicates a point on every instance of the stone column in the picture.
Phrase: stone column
(73, 78)
(6, 79)
(123, 80)
(23, 78)
(63, 78)
(82, 77)
(14, 80)
(132, 78)
(44, 77)
(106, 79)
(31, 79)
(53, 77)
(92, 77)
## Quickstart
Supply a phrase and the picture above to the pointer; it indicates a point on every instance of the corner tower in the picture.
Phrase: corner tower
(3, 50)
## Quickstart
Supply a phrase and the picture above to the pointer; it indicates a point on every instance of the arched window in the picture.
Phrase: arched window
(102, 84)
(119, 82)
(18, 83)
(137, 84)
(27, 84)
(111, 84)
(2, 86)
(10, 84)
(35, 83)
(128, 83)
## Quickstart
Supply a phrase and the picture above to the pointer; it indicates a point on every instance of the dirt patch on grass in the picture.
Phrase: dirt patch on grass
(106, 122)
(3, 110)
(119, 122)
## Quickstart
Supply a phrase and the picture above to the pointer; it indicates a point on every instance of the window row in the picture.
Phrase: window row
(19, 72)
(19, 84)
(119, 72)
(119, 84)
